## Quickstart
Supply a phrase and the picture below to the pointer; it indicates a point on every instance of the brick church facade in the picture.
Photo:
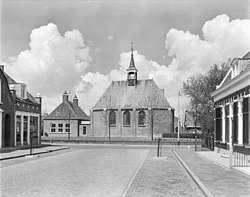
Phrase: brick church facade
(132, 108)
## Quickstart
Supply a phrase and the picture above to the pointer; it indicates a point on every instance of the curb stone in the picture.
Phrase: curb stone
(27, 154)
(202, 187)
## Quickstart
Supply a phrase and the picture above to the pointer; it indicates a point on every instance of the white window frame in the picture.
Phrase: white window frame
(54, 127)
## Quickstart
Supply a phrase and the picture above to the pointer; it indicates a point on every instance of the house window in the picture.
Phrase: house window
(53, 128)
(112, 118)
(141, 118)
(84, 130)
(60, 128)
(23, 91)
(126, 118)
(67, 128)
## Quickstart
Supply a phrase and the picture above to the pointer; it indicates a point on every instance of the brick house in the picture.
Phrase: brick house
(231, 102)
(24, 114)
(7, 124)
(132, 108)
(67, 120)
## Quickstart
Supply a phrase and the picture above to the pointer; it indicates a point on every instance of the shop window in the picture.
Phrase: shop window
(33, 126)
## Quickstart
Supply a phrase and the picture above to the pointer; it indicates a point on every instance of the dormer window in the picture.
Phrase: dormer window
(20, 88)
(23, 91)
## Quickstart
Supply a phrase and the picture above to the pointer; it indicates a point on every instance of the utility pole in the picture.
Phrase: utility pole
(69, 128)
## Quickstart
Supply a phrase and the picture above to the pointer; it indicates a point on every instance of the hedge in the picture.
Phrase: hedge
(182, 135)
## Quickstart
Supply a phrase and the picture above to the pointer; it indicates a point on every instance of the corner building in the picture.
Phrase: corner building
(232, 103)
(132, 108)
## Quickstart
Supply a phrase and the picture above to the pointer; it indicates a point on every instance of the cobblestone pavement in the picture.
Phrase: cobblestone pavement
(85, 172)
(219, 180)
(161, 177)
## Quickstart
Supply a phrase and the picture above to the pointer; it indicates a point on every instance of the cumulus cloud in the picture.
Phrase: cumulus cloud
(56, 62)
(191, 54)
(110, 37)
(53, 63)
(221, 39)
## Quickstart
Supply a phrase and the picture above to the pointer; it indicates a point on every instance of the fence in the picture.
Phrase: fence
(241, 156)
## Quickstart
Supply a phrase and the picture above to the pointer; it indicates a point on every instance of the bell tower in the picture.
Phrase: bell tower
(132, 71)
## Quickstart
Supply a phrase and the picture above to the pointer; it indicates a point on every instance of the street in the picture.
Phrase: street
(95, 171)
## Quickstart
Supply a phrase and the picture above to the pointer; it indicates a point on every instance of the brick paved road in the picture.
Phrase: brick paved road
(85, 172)
(162, 178)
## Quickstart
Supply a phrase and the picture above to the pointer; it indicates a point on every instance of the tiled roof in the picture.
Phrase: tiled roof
(29, 99)
(145, 94)
(66, 110)
(247, 56)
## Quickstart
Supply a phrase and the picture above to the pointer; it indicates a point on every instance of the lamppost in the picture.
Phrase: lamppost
(179, 94)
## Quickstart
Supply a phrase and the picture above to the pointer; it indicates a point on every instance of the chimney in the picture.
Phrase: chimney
(2, 67)
(38, 98)
(75, 100)
(65, 97)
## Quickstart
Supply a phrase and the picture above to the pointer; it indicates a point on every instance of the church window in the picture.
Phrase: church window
(141, 118)
(126, 118)
(112, 118)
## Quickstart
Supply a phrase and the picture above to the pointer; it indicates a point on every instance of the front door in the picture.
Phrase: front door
(25, 130)
(18, 130)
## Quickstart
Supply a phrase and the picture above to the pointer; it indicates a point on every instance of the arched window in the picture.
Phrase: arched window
(141, 118)
(112, 118)
(126, 118)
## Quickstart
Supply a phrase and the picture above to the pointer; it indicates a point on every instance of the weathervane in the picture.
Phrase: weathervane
(132, 47)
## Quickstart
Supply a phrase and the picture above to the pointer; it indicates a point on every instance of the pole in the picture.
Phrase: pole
(69, 128)
(109, 126)
(30, 145)
(179, 118)
(158, 148)
(195, 135)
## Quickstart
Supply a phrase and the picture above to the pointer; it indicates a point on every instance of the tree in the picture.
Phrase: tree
(155, 114)
(109, 105)
(199, 88)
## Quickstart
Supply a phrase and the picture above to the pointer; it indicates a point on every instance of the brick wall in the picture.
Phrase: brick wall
(7, 105)
(74, 128)
(100, 128)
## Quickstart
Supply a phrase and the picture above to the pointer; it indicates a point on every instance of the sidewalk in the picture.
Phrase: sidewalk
(213, 173)
(222, 160)
(12, 152)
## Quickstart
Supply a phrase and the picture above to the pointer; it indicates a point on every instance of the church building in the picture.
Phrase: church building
(132, 108)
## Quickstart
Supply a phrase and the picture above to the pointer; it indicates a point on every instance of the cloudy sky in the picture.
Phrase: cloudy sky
(81, 46)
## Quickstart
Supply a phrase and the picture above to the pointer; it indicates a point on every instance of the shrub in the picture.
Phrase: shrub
(182, 135)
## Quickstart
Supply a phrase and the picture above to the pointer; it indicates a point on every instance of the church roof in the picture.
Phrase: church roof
(66, 109)
(145, 94)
